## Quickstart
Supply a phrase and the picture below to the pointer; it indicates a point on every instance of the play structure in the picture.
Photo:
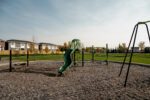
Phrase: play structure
(75, 44)
(134, 34)
(70, 59)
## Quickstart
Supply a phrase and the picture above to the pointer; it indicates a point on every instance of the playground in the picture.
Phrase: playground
(74, 79)
(93, 81)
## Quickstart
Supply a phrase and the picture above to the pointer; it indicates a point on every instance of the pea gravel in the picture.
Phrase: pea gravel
(94, 81)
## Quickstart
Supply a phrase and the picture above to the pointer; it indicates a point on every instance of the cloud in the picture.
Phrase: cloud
(95, 22)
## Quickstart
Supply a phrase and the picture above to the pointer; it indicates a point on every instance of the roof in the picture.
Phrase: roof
(18, 40)
(47, 44)
(136, 47)
(2, 40)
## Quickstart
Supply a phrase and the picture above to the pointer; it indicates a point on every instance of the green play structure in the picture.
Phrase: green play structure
(75, 44)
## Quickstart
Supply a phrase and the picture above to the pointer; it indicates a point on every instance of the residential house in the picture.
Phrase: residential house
(135, 49)
(51, 47)
(2, 45)
(36, 46)
(20, 44)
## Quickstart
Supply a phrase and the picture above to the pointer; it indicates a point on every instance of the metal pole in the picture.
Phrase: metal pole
(92, 53)
(148, 32)
(27, 58)
(131, 57)
(74, 58)
(82, 57)
(10, 61)
(107, 54)
(127, 49)
(74, 54)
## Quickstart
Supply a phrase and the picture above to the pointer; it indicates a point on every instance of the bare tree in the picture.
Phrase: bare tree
(69, 44)
(32, 48)
(122, 48)
(142, 45)
(65, 46)
(46, 49)
(124, 45)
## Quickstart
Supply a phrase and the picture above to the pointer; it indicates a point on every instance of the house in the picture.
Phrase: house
(2, 45)
(36, 46)
(135, 49)
(20, 45)
(51, 47)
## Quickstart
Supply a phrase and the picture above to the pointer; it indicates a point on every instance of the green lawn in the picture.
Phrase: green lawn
(137, 57)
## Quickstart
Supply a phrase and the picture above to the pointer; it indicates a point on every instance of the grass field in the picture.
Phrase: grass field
(137, 57)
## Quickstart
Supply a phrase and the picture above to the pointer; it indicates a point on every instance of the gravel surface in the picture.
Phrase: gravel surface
(94, 81)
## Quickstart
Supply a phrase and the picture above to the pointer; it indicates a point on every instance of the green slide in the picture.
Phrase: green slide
(67, 61)
(75, 44)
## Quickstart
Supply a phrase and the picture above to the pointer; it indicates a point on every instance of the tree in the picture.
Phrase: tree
(69, 44)
(65, 46)
(60, 48)
(32, 48)
(147, 50)
(46, 49)
(87, 49)
(102, 50)
(122, 48)
(97, 50)
(142, 45)
(32, 45)
(124, 45)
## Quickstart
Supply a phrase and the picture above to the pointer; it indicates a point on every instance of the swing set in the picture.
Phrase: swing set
(133, 38)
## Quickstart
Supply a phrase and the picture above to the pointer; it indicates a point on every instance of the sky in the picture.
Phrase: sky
(94, 22)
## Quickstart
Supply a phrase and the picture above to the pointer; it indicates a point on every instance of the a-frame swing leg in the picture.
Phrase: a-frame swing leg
(127, 50)
(130, 57)
(147, 31)
(133, 33)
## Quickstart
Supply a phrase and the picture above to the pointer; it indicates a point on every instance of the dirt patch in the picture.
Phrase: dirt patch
(94, 81)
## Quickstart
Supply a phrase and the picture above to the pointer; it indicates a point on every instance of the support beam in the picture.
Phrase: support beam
(92, 53)
(82, 57)
(27, 57)
(74, 58)
(10, 61)
(127, 50)
(107, 54)
(130, 58)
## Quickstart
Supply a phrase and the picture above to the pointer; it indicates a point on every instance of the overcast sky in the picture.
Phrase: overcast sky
(94, 22)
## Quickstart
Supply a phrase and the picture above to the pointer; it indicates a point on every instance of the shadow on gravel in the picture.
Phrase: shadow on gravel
(4, 70)
(43, 73)
(19, 70)
(147, 81)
